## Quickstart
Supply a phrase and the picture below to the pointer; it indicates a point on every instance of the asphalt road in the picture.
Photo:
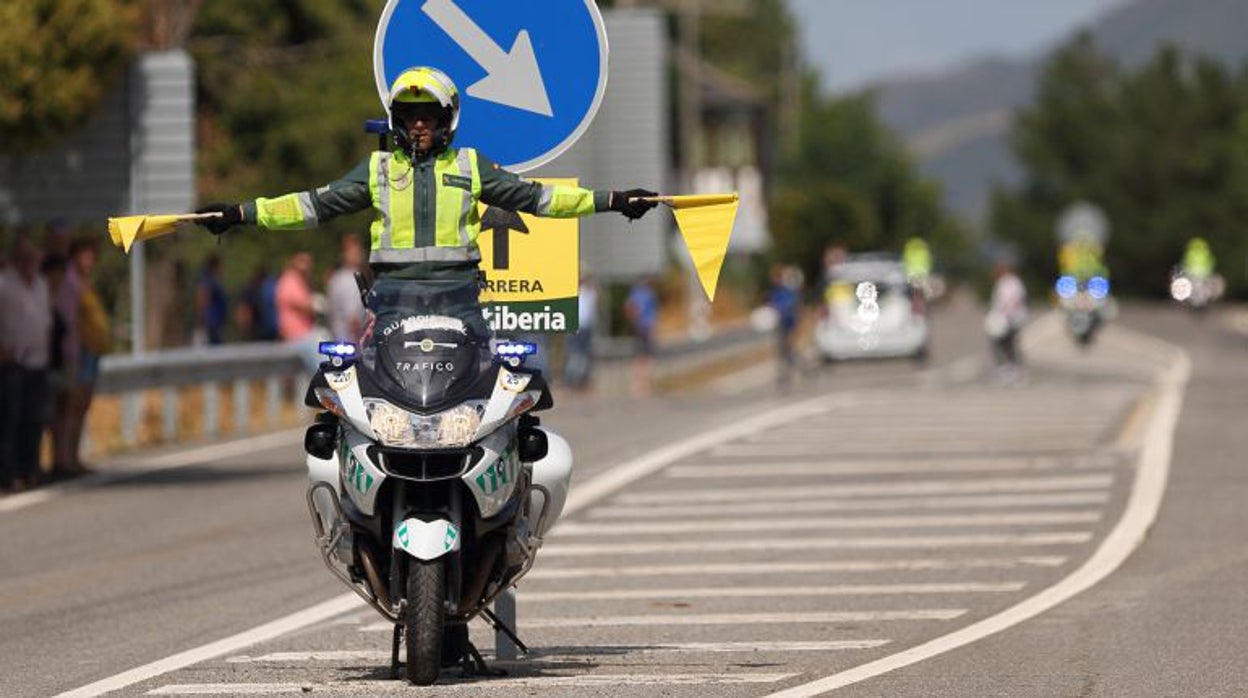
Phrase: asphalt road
(872, 509)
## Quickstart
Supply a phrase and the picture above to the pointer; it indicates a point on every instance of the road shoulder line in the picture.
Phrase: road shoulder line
(1141, 511)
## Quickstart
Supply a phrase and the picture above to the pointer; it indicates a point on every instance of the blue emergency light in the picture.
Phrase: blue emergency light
(1067, 286)
(515, 349)
(339, 353)
(1098, 287)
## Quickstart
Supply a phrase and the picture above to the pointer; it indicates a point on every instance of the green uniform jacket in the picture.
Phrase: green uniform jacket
(442, 223)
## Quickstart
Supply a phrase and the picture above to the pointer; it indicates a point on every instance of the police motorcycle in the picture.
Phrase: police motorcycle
(432, 483)
(1195, 292)
(1086, 304)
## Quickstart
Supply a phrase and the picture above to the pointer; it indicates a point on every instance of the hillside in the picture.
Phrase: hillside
(957, 123)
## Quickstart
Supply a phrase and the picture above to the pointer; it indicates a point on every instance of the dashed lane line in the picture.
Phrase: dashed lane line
(635, 528)
(990, 501)
(982, 540)
(375, 657)
(857, 489)
(377, 688)
(772, 592)
(771, 568)
(788, 468)
(726, 619)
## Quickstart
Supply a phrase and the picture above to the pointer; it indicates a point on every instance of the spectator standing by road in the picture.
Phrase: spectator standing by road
(346, 310)
(579, 361)
(90, 340)
(211, 305)
(25, 338)
(258, 307)
(296, 316)
(296, 308)
(784, 297)
(1007, 313)
(642, 310)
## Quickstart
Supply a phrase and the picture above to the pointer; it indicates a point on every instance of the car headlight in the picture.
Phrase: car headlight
(395, 426)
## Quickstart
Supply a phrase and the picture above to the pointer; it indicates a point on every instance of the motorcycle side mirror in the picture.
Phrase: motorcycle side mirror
(321, 438)
(533, 444)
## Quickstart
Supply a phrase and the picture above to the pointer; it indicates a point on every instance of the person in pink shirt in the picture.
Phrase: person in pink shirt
(296, 317)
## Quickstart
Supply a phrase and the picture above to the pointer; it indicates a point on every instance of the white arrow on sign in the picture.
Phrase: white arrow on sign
(512, 77)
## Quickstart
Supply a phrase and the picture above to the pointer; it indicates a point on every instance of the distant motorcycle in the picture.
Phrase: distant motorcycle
(432, 484)
(1086, 305)
(1195, 292)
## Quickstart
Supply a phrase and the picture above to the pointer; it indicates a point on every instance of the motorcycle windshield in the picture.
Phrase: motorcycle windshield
(425, 347)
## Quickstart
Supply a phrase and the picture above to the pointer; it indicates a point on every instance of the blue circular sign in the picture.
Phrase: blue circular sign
(531, 73)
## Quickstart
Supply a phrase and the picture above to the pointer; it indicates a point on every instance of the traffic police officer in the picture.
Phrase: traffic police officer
(424, 192)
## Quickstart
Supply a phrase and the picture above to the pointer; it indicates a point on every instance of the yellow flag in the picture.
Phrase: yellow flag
(124, 231)
(705, 223)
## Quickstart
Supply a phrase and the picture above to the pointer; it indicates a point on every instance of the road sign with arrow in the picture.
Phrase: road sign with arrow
(501, 223)
(531, 73)
(532, 270)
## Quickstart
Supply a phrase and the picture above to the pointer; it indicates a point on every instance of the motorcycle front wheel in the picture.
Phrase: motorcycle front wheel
(425, 620)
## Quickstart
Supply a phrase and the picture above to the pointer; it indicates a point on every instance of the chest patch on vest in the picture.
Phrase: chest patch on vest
(457, 181)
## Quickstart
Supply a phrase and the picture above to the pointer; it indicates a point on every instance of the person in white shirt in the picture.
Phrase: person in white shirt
(345, 309)
(1007, 313)
(25, 347)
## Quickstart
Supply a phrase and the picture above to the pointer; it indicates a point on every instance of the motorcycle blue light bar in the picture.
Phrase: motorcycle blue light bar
(515, 349)
(341, 350)
(1098, 287)
(1067, 287)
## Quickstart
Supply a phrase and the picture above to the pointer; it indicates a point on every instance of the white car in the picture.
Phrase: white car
(870, 310)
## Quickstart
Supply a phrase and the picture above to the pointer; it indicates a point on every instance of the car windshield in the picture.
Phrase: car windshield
(425, 346)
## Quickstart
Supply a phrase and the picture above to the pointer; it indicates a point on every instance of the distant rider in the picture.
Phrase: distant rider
(424, 195)
(1198, 262)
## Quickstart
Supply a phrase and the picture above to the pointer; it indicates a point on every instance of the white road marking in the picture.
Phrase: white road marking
(630, 528)
(757, 469)
(370, 656)
(891, 445)
(287, 624)
(724, 619)
(373, 688)
(818, 543)
(771, 568)
(583, 495)
(710, 647)
(1141, 511)
(991, 501)
(915, 487)
(374, 657)
(737, 592)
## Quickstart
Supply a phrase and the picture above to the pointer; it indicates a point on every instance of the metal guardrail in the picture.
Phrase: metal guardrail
(280, 368)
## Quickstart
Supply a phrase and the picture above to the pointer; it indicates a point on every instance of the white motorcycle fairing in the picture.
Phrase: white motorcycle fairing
(426, 540)
(361, 477)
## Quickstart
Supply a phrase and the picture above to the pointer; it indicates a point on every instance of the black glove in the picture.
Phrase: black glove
(231, 215)
(632, 210)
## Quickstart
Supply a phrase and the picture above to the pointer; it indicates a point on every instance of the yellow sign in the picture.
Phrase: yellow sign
(532, 269)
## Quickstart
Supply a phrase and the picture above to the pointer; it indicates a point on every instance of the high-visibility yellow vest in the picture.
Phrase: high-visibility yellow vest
(447, 202)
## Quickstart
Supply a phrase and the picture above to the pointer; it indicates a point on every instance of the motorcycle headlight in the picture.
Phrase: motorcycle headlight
(394, 426)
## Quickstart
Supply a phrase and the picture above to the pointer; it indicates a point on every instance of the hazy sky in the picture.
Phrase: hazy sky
(855, 42)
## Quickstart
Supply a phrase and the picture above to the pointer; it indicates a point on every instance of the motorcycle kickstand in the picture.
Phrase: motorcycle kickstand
(396, 667)
(500, 626)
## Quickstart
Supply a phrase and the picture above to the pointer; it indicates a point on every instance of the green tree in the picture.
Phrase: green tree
(58, 59)
(849, 182)
(1161, 149)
